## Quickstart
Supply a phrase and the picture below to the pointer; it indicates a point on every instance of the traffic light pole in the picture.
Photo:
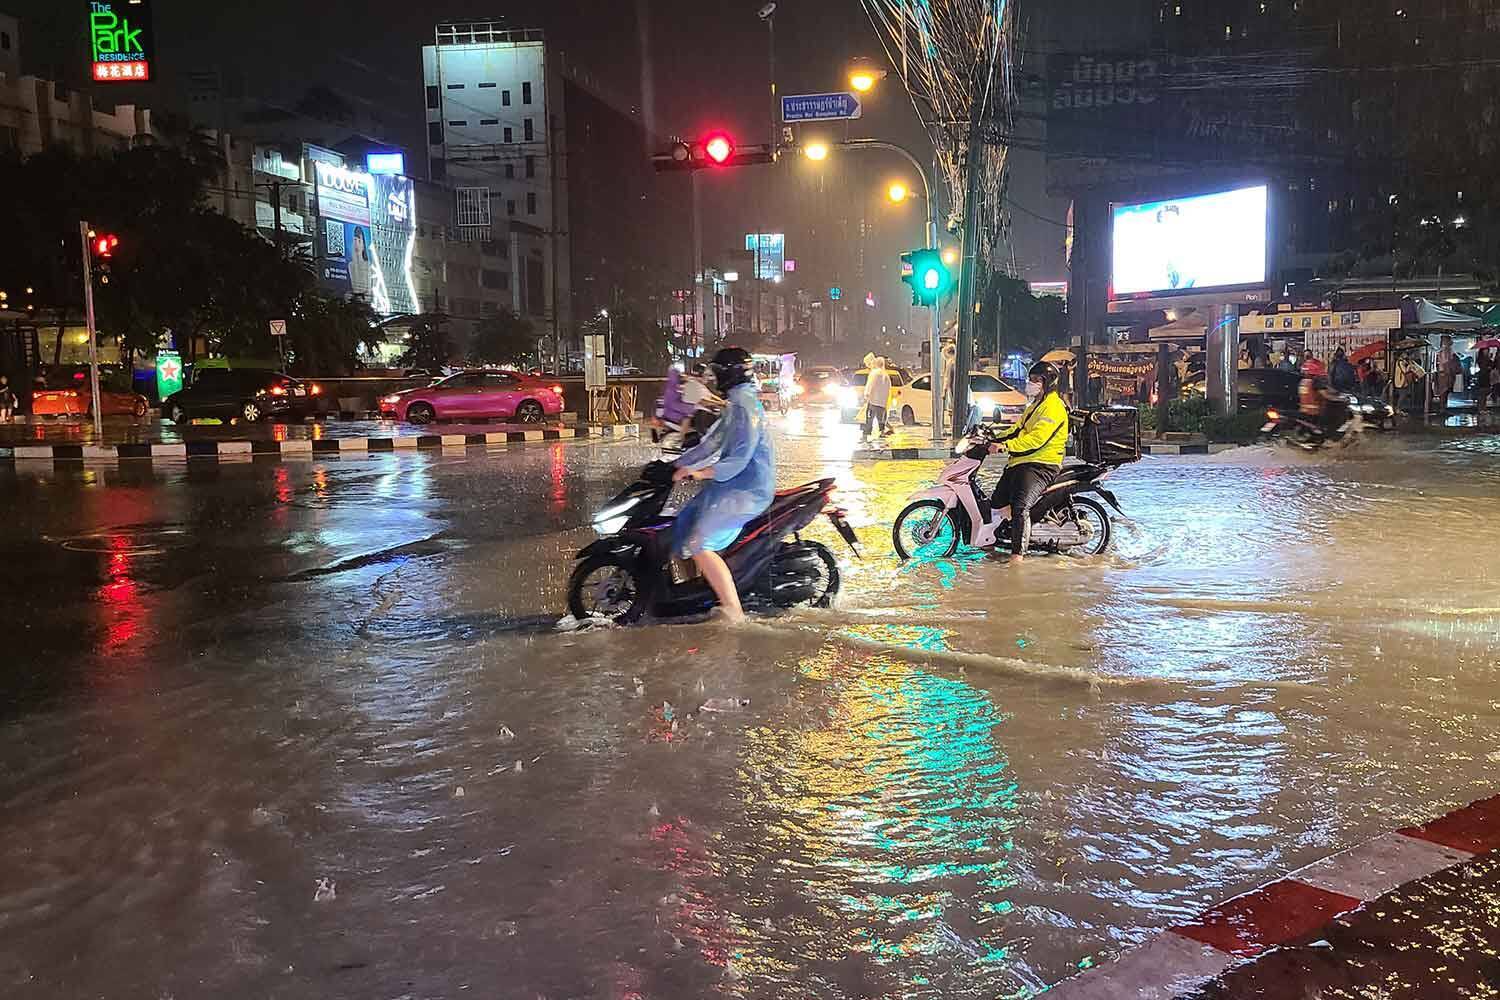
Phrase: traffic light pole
(934, 312)
(88, 311)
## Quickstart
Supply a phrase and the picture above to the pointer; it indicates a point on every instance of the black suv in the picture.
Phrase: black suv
(250, 395)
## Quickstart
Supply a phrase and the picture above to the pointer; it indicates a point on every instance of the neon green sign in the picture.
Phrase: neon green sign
(120, 37)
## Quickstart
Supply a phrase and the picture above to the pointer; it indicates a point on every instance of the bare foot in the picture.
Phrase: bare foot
(726, 617)
(1017, 559)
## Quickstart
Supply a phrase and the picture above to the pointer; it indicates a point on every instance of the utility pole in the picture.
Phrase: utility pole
(275, 189)
(699, 293)
(88, 311)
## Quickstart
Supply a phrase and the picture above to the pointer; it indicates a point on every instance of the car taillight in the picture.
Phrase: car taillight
(314, 389)
(78, 376)
(278, 390)
(556, 389)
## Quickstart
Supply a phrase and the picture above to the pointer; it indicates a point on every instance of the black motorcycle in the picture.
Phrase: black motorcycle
(630, 572)
(1342, 422)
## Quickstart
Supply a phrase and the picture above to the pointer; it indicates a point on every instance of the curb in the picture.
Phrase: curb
(1290, 910)
(929, 453)
(184, 450)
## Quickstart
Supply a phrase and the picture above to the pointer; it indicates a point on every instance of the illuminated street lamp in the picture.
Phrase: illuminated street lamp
(863, 76)
(950, 256)
(816, 151)
(898, 192)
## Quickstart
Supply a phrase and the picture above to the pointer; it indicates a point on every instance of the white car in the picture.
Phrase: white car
(996, 400)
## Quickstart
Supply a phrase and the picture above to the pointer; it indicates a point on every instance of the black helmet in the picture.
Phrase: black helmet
(732, 366)
(1046, 373)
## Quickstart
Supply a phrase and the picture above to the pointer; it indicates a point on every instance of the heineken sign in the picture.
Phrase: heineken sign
(120, 38)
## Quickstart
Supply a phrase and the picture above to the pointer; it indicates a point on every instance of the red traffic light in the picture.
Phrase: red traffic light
(718, 148)
(104, 246)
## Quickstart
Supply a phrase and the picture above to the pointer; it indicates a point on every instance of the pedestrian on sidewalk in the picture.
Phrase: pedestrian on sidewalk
(1409, 376)
(7, 400)
(877, 398)
(1446, 373)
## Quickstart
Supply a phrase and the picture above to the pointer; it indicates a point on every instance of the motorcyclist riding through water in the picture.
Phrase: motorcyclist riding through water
(738, 462)
(1036, 448)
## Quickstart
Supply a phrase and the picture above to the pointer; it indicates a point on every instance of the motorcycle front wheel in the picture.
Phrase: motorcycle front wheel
(925, 530)
(607, 587)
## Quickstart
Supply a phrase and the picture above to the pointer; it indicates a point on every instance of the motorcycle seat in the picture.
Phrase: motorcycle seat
(779, 503)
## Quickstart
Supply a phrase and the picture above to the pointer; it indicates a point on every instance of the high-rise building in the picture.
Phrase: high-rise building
(494, 132)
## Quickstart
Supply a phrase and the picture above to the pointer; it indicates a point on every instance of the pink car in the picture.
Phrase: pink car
(477, 395)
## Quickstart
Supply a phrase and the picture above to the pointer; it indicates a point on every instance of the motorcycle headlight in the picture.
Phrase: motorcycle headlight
(611, 526)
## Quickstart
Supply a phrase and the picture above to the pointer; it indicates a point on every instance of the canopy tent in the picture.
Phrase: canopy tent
(1188, 326)
(1431, 314)
(1491, 315)
(1061, 355)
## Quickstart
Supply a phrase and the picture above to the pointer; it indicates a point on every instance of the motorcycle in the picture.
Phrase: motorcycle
(957, 511)
(1344, 418)
(630, 572)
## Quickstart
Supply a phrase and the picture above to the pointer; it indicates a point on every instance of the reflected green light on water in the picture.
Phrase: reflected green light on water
(895, 813)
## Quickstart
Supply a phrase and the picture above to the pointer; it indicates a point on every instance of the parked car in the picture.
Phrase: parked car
(246, 394)
(1261, 389)
(67, 393)
(477, 395)
(996, 399)
(852, 393)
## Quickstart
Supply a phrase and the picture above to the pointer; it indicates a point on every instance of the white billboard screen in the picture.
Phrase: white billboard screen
(1189, 244)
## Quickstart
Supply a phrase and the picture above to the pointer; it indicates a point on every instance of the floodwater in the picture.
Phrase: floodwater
(300, 729)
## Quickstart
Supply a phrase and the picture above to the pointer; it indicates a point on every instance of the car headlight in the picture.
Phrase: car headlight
(847, 396)
(390, 400)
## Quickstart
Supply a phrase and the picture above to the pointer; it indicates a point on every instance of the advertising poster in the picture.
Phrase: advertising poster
(1190, 244)
(770, 254)
(393, 213)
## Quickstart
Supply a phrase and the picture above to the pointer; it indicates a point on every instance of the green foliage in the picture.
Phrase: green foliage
(505, 338)
(429, 344)
(638, 338)
(1011, 318)
(327, 335)
(1242, 428)
(1188, 415)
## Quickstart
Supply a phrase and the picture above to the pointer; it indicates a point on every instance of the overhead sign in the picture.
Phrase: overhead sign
(835, 293)
(820, 107)
(278, 328)
(770, 254)
(343, 194)
(120, 39)
(385, 163)
(1302, 322)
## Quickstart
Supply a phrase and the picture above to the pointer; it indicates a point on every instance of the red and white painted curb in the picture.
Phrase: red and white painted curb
(1289, 910)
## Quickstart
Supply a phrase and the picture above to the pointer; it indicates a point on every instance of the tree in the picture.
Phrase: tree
(329, 334)
(637, 338)
(1012, 319)
(507, 337)
(428, 343)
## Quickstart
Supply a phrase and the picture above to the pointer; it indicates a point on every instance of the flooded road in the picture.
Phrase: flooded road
(299, 730)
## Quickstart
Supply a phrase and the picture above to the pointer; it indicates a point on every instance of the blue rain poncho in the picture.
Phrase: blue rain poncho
(738, 446)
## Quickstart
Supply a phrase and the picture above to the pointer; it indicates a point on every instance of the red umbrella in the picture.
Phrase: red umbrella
(1486, 344)
(1370, 350)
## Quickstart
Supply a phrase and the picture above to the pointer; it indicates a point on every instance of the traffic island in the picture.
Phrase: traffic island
(272, 447)
(1415, 907)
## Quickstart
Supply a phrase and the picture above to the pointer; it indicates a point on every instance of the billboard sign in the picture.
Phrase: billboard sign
(770, 254)
(120, 40)
(343, 194)
(1196, 244)
(373, 261)
(385, 163)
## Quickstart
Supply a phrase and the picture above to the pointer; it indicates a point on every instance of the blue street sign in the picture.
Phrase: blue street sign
(819, 107)
(835, 293)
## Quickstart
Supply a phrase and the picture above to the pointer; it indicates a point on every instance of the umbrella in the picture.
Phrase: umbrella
(1060, 354)
(1370, 350)
(1486, 344)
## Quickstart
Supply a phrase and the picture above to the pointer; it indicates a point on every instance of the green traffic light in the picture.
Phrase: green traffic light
(931, 279)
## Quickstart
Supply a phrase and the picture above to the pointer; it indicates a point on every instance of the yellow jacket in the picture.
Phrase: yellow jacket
(1041, 436)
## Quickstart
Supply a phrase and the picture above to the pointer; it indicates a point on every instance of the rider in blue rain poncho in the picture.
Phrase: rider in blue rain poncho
(737, 460)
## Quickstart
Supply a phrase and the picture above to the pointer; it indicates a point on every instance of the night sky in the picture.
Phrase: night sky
(709, 64)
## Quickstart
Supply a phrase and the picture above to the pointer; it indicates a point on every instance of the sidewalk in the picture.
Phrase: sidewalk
(153, 439)
(1412, 913)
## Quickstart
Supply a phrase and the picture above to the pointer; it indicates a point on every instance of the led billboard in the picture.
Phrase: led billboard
(770, 254)
(1195, 244)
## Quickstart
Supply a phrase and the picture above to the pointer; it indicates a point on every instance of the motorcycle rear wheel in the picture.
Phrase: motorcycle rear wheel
(607, 587)
(804, 573)
(926, 528)
(1103, 529)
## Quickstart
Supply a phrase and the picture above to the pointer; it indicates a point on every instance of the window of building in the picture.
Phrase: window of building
(434, 99)
(510, 207)
(530, 202)
(489, 121)
(458, 123)
(510, 136)
(531, 166)
(510, 171)
(505, 98)
(435, 133)
(486, 86)
(526, 92)
(5, 40)
(455, 86)
(527, 130)
(473, 206)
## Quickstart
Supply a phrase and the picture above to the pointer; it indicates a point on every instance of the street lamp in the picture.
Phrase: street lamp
(609, 336)
(816, 151)
(898, 192)
(863, 76)
(950, 256)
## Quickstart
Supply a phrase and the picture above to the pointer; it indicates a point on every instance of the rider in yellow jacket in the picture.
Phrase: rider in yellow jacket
(1036, 448)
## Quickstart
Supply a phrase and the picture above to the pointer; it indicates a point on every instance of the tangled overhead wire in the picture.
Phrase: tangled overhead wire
(958, 60)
